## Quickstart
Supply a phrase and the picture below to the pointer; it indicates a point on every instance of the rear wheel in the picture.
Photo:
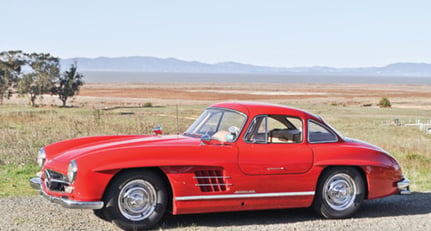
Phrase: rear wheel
(340, 193)
(135, 200)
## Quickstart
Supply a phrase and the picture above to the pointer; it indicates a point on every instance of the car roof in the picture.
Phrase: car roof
(259, 108)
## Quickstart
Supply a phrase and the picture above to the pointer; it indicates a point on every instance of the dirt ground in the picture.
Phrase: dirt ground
(400, 95)
(407, 212)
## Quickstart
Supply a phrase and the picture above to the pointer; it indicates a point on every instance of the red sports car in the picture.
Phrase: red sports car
(236, 156)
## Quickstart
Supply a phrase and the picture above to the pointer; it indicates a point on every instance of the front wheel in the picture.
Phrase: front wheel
(136, 200)
(340, 193)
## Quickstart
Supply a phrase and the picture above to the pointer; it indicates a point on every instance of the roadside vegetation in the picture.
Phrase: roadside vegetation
(25, 129)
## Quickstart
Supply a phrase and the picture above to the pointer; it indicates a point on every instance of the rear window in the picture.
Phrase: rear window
(317, 133)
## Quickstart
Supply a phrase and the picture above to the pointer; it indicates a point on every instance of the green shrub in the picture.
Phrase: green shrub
(384, 102)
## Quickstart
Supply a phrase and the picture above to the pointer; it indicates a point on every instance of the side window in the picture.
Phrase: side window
(317, 133)
(284, 129)
(256, 132)
(275, 129)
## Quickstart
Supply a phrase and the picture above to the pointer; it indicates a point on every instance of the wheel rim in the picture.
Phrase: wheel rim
(137, 200)
(339, 191)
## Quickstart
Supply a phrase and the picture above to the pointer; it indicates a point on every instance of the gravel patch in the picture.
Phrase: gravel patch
(409, 212)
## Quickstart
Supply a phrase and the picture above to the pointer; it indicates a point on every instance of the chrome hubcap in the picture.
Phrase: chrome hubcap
(137, 200)
(339, 191)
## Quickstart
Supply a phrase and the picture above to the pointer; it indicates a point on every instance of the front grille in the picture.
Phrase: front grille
(211, 180)
(55, 181)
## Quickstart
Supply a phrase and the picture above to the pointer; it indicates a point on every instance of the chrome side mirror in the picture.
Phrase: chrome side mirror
(157, 130)
(206, 139)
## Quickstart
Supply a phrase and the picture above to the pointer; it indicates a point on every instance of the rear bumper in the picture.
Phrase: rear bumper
(404, 186)
(36, 183)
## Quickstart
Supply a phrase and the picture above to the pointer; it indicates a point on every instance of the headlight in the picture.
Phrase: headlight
(71, 171)
(41, 157)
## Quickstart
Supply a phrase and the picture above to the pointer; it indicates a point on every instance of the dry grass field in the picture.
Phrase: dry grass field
(104, 109)
(402, 96)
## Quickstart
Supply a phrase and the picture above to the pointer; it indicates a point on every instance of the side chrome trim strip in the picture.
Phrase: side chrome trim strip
(237, 196)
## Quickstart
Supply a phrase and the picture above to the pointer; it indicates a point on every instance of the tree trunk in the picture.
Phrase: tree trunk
(32, 100)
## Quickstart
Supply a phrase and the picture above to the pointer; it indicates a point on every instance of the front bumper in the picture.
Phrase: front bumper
(404, 186)
(36, 183)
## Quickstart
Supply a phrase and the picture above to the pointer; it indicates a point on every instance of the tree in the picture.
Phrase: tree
(45, 71)
(11, 63)
(69, 83)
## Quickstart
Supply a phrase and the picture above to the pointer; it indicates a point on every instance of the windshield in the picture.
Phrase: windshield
(214, 120)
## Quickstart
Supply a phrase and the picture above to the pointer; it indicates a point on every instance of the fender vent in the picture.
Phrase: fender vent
(211, 180)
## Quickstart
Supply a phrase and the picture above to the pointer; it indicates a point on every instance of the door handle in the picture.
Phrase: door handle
(271, 169)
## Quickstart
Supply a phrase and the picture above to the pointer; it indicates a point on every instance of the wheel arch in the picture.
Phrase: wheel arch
(155, 170)
(360, 169)
(335, 196)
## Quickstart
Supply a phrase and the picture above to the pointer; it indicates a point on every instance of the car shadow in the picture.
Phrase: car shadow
(415, 204)
(397, 205)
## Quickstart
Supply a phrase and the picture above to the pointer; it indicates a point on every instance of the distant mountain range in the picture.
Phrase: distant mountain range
(172, 65)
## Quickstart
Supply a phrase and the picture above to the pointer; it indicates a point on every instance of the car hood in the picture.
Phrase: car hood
(61, 153)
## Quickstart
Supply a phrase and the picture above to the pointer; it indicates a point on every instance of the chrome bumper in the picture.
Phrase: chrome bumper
(36, 183)
(404, 186)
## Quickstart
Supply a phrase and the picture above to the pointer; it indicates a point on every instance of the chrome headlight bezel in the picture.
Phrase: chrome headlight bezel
(72, 170)
(41, 157)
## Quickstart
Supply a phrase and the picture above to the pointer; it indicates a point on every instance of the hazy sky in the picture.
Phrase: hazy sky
(287, 33)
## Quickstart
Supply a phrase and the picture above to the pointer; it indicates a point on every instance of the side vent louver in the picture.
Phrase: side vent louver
(211, 180)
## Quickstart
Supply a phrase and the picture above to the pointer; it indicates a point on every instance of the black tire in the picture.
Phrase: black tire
(340, 193)
(100, 214)
(135, 200)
